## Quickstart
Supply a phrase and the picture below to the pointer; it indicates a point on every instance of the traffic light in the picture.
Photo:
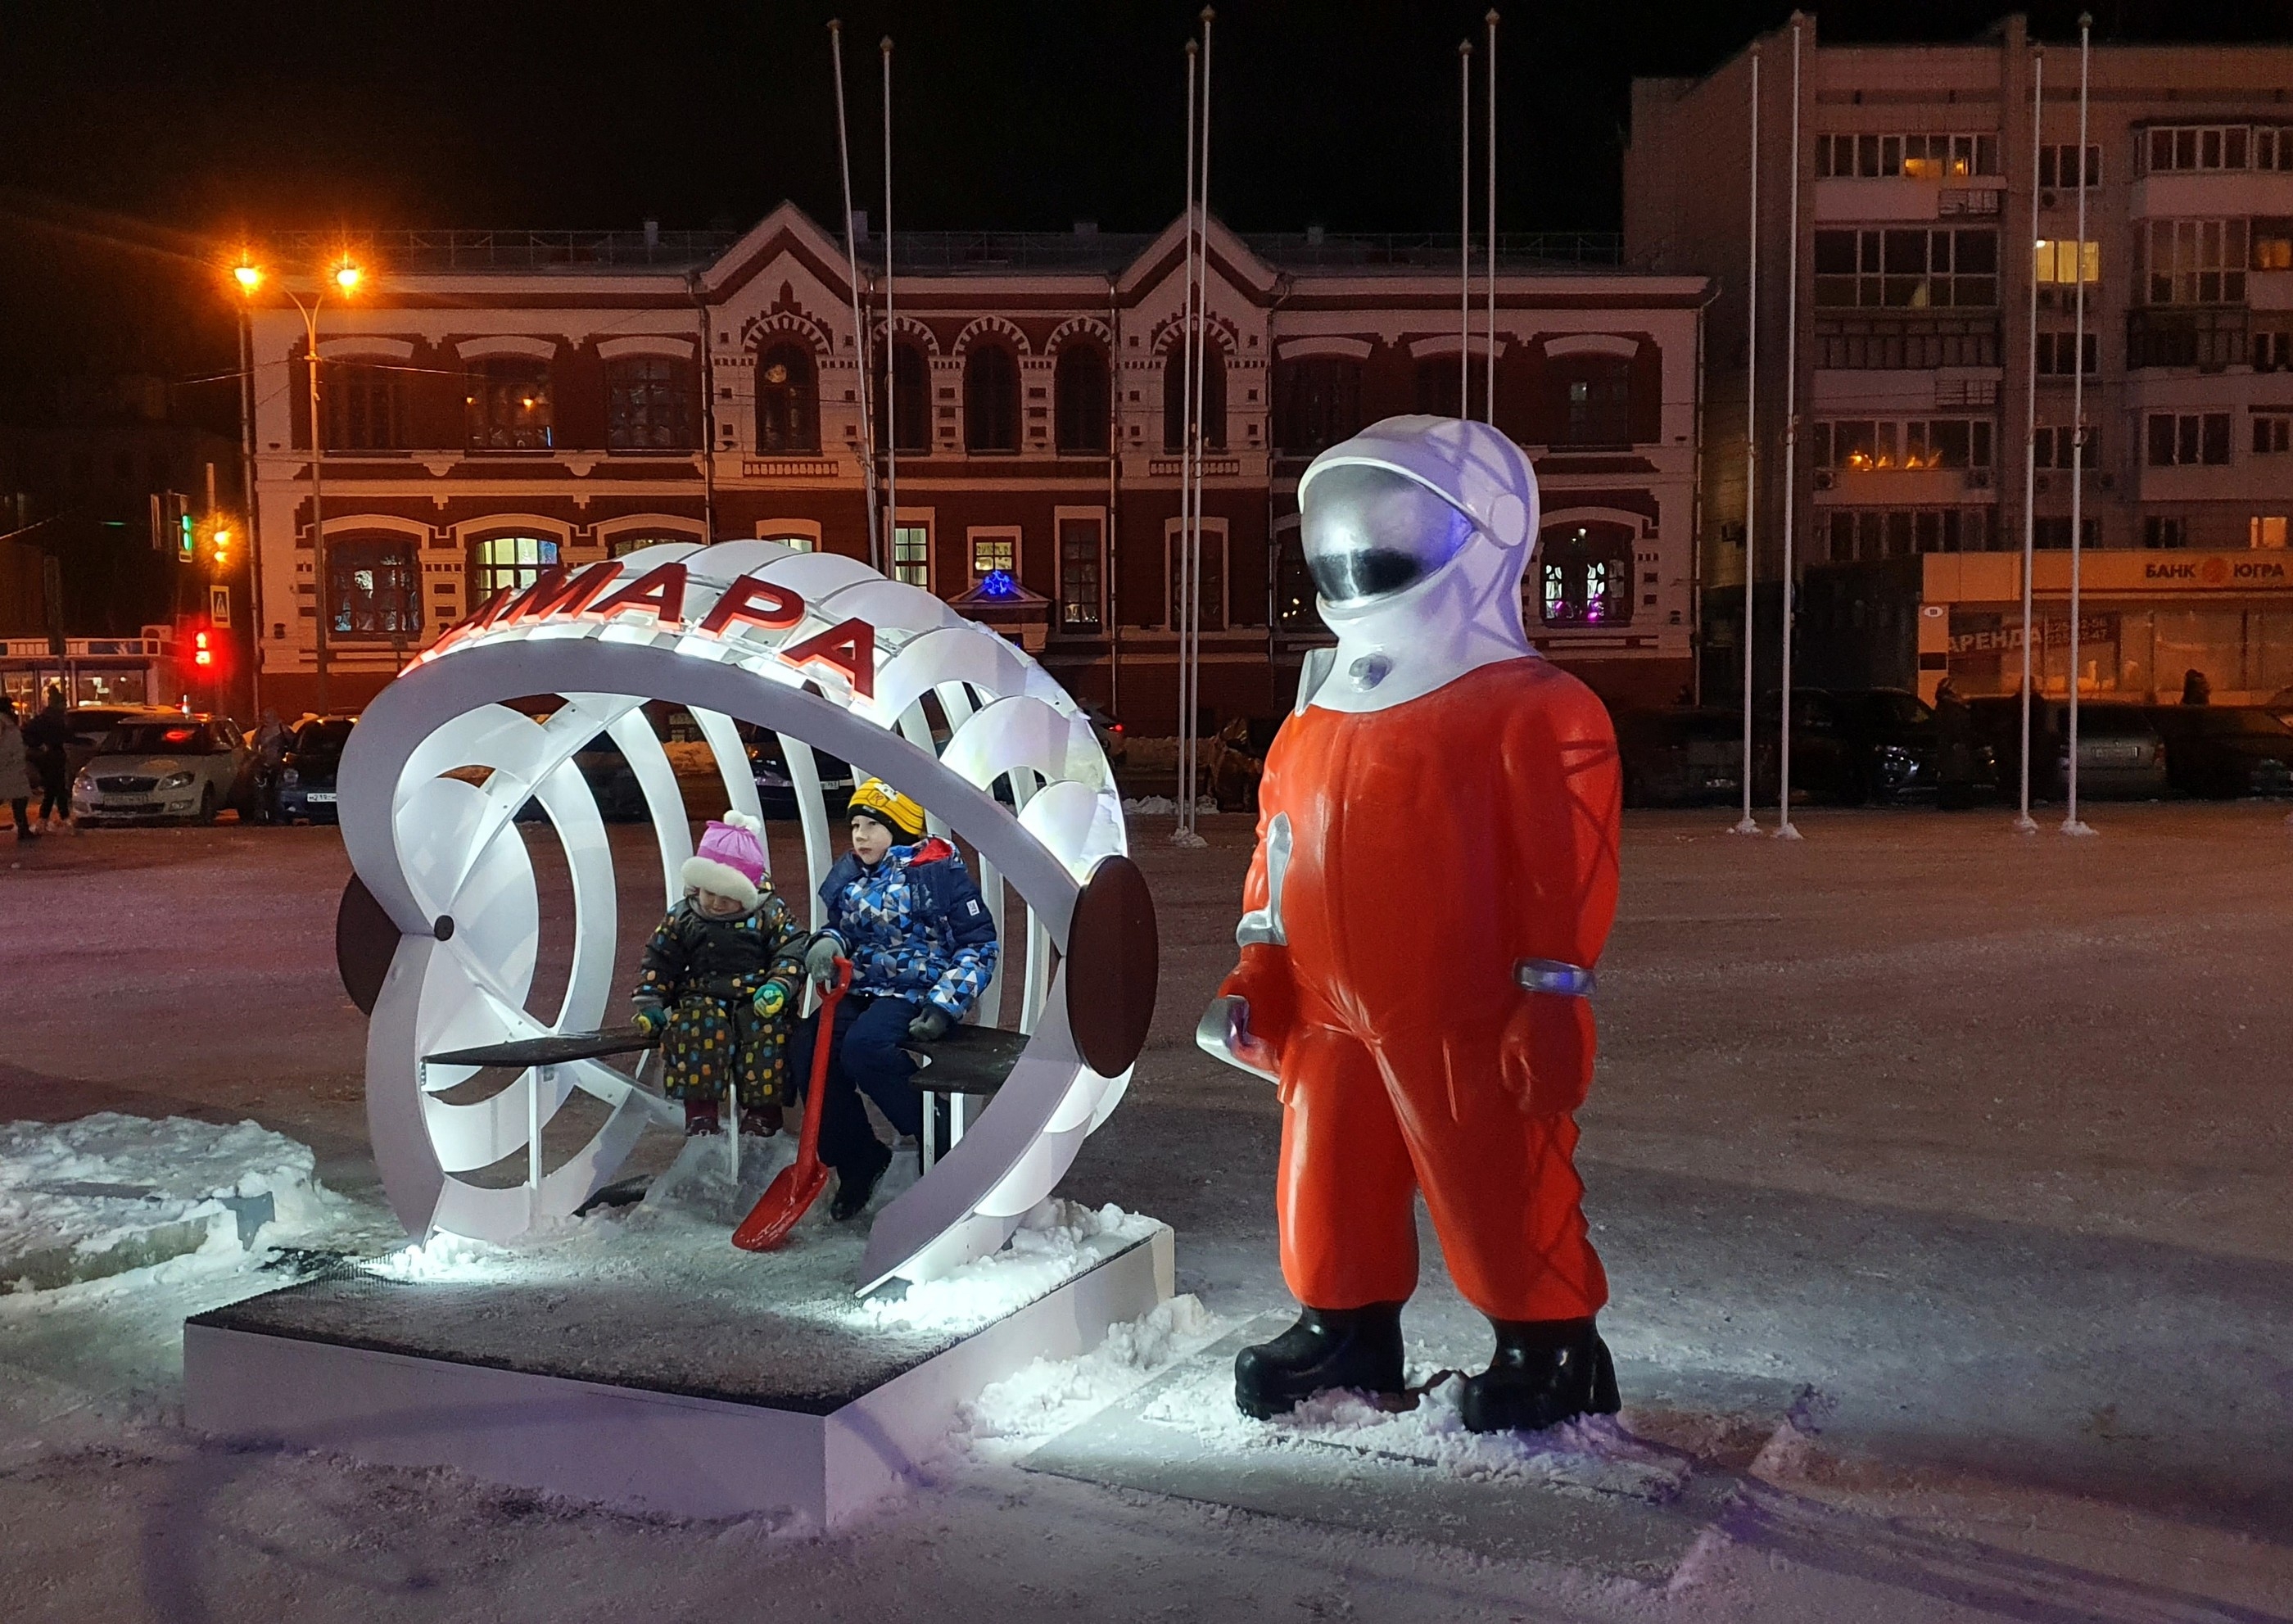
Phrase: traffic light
(173, 528)
(219, 540)
(203, 650)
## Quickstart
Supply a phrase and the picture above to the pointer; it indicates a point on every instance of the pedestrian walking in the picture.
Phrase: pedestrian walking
(1954, 749)
(2197, 689)
(45, 740)
(15, 777)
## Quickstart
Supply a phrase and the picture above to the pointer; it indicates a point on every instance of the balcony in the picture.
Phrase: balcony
(2210, 338)
(1913, 343)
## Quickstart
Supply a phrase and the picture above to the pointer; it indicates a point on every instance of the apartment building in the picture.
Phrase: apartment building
(1915, 355)
(498, 404)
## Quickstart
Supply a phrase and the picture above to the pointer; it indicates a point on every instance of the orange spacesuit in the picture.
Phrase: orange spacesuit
(1434, 879)
(1434, 847)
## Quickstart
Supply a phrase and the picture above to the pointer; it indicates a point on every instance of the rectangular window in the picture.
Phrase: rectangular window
(652, 404)
(1212, 581)
(1082, 547)
(2159, 531)
(2273, 350)
(1921, 157)
(2054, 532)
(993, 550)
(2056, 350)
(1866, 535)
(2058, 166)
(2060, 259)
(508, 560)
(2265, 529)
(1861, 445)
(376, 587)
(2273, 432)
(2188, 439)
(507, 403)
(2057, 447)
(1907, 268)
(364, 406)
(2194, 262)
(911, 554)
(1905, 344)
(2171, 148)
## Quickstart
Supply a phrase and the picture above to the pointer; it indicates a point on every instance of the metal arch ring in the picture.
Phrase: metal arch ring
(450, 703)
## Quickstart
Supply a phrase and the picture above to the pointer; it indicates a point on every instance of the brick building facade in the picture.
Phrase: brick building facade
(495, 405)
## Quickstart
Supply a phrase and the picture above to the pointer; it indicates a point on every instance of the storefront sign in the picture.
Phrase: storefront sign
(2216, 571)
(2092, 628)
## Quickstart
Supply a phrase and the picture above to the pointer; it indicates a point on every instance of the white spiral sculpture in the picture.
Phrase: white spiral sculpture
(822, 650)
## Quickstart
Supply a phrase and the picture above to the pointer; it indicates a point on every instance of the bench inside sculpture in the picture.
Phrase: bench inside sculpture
(551, 1328)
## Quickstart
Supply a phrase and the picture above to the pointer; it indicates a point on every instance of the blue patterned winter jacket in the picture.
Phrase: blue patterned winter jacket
(914, 926)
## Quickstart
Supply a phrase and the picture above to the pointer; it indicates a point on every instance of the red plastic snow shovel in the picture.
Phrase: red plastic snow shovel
(790, 1196)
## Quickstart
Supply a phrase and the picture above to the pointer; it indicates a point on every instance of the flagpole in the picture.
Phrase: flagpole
(860, 347)
(1183, 829)
(892, 348)
(1784, 830)
(1489, 361)
(2024, 821)
(1200, 437)
(2071, 823)
(1747, 824)
(1465, 228)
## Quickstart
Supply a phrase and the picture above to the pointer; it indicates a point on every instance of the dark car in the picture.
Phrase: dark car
(612, 782)
(1685, 758)
(2121, 756)
(2223, 751)
(776, 791)
(1855, 745)
(305, 787)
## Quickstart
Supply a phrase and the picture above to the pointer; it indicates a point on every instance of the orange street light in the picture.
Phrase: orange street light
(250, 276)
(347, 276)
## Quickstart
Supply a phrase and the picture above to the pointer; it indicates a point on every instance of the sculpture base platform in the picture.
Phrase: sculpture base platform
(655, 1368)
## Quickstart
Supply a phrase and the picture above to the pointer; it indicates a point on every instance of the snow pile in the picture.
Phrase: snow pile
(109, 1191)
(1051, 1395)
(1165, 806)
(1054, 1243)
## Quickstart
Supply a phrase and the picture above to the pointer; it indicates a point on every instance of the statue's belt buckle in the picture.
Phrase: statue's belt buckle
(1555, 976)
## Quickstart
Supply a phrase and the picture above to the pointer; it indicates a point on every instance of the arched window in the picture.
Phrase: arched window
(508, 560)
(636, 540)
(375, 587)
(506, 405)
(788, 399)
(991, 400)
(1174, 399)
(1317, 403)
(910, 405)
(652, 404)
(1583, 575)
(1593, 400)
(1080, 387)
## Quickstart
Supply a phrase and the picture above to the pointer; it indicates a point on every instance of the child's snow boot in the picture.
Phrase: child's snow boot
(699, 1118)
(764, 1121)
(853, 1190)
(1545, 1372)
(1328, 1347)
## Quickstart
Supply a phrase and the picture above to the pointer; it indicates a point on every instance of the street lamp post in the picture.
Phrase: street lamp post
(345, 276)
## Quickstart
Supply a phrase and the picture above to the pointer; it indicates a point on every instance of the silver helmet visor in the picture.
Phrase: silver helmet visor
(1370, 533)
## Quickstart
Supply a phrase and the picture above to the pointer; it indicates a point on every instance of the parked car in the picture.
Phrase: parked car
(170, 766)
(1854, 745)
(90, 724)
(1111, 741)
(2121, 754)
(2223, 751)
(1685, 758)
(777, 792)
(305, 789)
(611, 780)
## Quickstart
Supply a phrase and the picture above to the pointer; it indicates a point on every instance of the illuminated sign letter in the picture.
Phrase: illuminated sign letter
(848, 647)
(751, 602)
(659, 592)
(558, 593)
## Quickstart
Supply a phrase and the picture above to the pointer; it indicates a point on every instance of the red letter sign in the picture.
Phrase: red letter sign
(558, 593)
(848, 647)
(751, 602)
(659, 592)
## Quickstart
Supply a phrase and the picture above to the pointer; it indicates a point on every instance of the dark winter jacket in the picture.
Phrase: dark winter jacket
(46, 738)
(693, 955)
(913, 926)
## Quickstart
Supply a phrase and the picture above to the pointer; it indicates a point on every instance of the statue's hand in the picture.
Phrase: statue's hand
(1224, 1031)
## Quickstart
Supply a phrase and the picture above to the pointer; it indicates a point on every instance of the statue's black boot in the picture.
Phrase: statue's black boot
(1328, 1347)
(1545, 1372)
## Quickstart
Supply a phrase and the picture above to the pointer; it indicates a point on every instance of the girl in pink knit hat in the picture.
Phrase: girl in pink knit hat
(718, 981)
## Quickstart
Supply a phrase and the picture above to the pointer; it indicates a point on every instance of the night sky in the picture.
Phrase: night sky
(138, 139)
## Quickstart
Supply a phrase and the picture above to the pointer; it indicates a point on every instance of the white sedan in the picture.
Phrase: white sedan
(183, 766)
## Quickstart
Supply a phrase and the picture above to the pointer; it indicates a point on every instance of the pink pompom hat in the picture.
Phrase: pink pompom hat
(730, 861)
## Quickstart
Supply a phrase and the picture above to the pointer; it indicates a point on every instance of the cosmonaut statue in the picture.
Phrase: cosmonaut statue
(1435, 877)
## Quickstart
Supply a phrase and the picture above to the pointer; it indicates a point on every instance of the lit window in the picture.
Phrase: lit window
(992, 552)
(506, 404)
(1585, 576)
(2057, 258)
(2267, 530)
(508, 560)
(911, 554)
(375, 588)
(1082, 544)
